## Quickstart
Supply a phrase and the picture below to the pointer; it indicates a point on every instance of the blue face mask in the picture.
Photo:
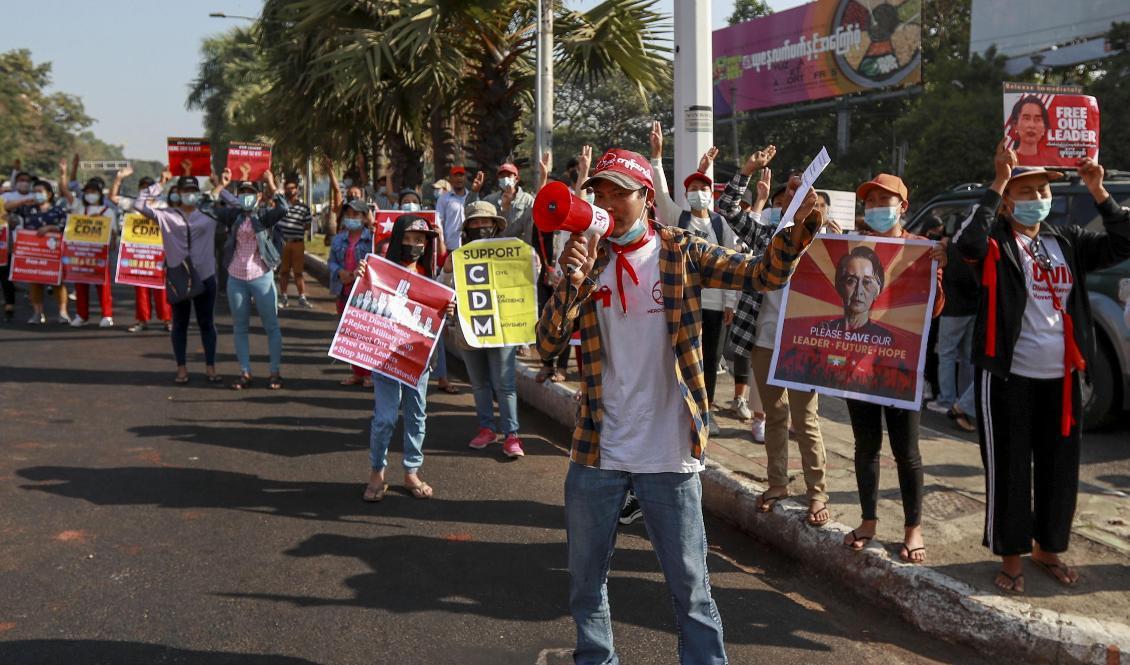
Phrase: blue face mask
(351, 224)
(40, 197)
(773, 216)
(248, 201)
(1031, 213)
(881, 220)
(174, 198)
(190, 198)
(633, 234)
(411, 206)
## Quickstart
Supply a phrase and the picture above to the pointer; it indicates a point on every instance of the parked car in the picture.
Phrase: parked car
(1109, 390)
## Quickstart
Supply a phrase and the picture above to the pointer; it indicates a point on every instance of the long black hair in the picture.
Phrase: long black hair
(396, 241)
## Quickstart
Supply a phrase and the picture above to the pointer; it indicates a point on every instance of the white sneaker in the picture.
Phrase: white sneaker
(106, 322)
(937, 407)
(758, 430)
(77, 322)
(37, 319)
(740, 407)
(63, 319)
(283, 301)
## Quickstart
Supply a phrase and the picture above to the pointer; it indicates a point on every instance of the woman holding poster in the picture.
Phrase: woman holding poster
(859, 280)
(411, 245)
(47, 218)
(347, 251)
(94, 203)
(1032, 339)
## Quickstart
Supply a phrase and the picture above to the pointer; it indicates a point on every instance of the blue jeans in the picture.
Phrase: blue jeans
(493, 374)
(968, 402)
(388, 396)
(672, 511)
(240, 293)
(955, 336)
(441, 359)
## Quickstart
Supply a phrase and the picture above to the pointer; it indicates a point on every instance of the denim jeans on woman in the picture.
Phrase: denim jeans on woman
(493, 375)
(240, 293)
(672, 512)
(955, 350)
(389, 395)
(205, 306)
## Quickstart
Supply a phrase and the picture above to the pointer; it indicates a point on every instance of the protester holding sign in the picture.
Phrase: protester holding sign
(347, 251)
(293, 229)
(94, 203)
(859, 281)
(641, 419)
(6, 285)
(46, 217)
(146, 298)
(1033, 338)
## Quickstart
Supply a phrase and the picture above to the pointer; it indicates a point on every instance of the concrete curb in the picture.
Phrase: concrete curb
(930, 600)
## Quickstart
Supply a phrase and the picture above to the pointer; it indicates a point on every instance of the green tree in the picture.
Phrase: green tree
(747, 10)
(1110, 88)
(35, 127)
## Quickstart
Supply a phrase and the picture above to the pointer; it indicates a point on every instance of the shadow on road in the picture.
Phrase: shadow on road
(99, 652)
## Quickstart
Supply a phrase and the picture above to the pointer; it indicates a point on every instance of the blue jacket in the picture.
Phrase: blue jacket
(262, 219)
(338, 247)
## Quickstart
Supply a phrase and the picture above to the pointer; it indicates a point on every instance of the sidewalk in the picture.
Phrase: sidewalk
(952, 595)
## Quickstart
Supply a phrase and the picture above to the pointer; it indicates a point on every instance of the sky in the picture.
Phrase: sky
(132, 68)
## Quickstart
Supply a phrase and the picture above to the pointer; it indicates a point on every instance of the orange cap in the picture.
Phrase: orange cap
(886, 182)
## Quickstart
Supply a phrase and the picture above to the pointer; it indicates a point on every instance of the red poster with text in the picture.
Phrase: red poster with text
(190, 157)
(1051, 125)
(392, 321)
(383, 221)
(248, 161)
(85, 263)
(3, 243)
(37, 259)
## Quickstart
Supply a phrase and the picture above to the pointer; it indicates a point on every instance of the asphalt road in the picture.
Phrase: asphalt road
(143, 522)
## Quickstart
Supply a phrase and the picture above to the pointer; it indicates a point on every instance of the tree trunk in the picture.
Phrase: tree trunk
(496, 110)
(443, 141)
(406, 162)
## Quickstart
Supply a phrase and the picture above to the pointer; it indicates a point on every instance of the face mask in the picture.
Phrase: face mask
(699, 200)
(248, 201)
(23, 187)
(174, 198)
(92, 199)
(411, 252)
(773, 216)
(1031, 213)
(590, 198)
(881, 220)
(479, 232)
(633, 234)
(506, 182)
(190, 199)
(352, 223)
(40, 197)
(410, 206)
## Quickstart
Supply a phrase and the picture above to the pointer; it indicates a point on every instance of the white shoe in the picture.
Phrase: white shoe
(758, 430)
(740, 406)
(63, 319)
(937, 407)
(77, 322)
(37, 319)
(106, 322)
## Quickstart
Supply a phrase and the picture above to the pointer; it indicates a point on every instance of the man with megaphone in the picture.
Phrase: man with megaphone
(635, 287)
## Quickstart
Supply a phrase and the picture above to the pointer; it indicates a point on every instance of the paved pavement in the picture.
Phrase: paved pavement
(150, 523)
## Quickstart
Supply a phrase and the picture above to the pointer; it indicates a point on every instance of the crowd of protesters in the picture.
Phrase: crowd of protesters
(650, 312)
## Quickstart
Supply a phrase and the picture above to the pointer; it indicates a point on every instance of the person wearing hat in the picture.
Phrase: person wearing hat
(353, 242)
(492, 371)
(885, 200)
(449, 206)
(1032, 342)
(641, 418)
(93, 202)
(293, 229)
(412, 245)
(250, 255)
(514, 204)
(143, 308)
(440, 186)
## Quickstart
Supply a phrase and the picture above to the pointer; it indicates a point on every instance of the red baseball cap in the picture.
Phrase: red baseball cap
(508, 168)
(698, 175)
(623, 168)
(455, 170)
(886, 182)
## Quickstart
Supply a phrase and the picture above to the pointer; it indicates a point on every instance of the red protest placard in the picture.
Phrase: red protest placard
(190, 157)
(37, 259)
(392, 321)
(248, 161)
(384, 219)
(1051, 125)
(141, 256)
(3, 243)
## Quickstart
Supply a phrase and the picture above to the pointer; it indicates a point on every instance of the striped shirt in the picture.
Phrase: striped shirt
(687, 264)
(297, 220)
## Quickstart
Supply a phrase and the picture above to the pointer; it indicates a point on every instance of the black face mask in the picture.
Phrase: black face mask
(411, 252)
(479, 233)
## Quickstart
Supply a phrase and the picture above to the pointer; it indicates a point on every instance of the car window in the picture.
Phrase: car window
(950, 213)
(1085, 214)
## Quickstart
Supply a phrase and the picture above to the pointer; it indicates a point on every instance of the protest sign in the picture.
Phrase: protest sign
(86, 249)
(248, 161)
(37, 259)
(1051, 125)
(141, 256)
(841, 207)
(807, 180)
(3, 242)
(854, 320)
(391, 321)
(190, 157)
(383, 221)
(496, 291)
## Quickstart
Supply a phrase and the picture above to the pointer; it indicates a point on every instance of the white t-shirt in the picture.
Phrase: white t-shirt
(715, 299)
(1038, 353)
(767, 319)
(647, 424)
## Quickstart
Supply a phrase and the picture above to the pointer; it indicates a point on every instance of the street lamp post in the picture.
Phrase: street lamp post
(543, 83)
(694, 115)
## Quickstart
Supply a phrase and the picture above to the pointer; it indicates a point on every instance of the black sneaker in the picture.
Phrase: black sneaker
(631, 510)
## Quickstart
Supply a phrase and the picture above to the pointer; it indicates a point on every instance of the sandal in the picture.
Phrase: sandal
(557, 377)
(421, 491)
(907, 554)
(1015, 583)
(215, 378)
(1051, 568)
(448, 388)
(765, 503)
(543, 374)
(856, 538)
(374, 494)
(242, 383)
(180, 379)
(275, 382)
(812, 514)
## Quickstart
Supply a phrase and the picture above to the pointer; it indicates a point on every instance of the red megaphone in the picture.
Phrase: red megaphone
(557, 208)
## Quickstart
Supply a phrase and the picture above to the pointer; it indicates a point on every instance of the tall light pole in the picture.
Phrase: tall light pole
(543, 82)
(694, 113)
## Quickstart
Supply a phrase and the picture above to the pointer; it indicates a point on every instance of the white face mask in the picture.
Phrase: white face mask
(92, 198)
(508, 181)
(411, 206)
(699, 199)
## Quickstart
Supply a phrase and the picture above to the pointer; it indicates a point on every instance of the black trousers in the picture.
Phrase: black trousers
(902, 426)
(1031, 471)
(7, 287)
(740, 367)
(711, 349)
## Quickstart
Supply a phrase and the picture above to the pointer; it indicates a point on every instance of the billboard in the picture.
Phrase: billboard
(822, 49)
(1026, 27)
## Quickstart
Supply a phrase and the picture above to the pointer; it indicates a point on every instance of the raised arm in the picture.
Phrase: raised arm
(336, 198)
(584, 165)
(666, 209)
(1101, 249)
(116, 186)
(66, 193)
(972, 237)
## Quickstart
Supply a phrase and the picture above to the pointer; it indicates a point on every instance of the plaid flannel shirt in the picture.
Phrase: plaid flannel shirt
(687, 264)
(749, 229)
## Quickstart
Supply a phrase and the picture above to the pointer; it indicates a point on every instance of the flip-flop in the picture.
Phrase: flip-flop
(1050, 568)
(275, 383)
(421, 491)
(765, 503)
(855, 538)
(373, 494)
(908, 558)
(1013, 581)
(812, 521)
(215, 378)
(181, 379)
